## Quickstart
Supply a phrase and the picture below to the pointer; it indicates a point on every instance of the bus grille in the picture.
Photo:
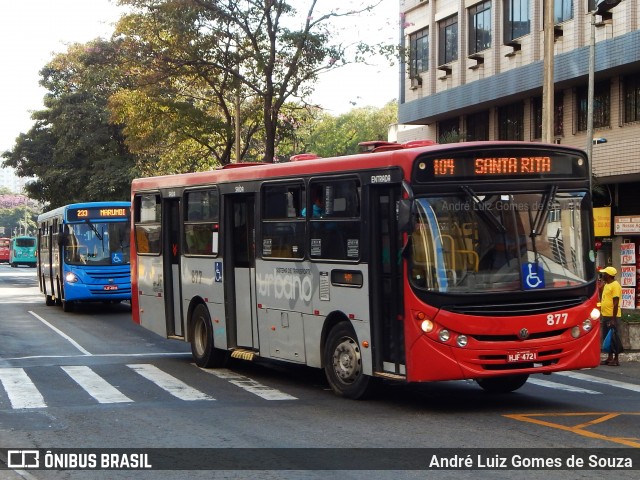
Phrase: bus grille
(508, 309)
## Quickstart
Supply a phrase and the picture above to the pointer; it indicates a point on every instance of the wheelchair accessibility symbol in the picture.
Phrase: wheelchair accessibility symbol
(116, 257)
(218, 272)
(532, 276)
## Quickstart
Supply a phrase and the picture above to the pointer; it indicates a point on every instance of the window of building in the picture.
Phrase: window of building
(480, 27)
(449, 131)
(283, 220)
(631, 99)
(517, 19)
(563, 11)
(558, 116)
(201, 222)
(147, 216)
(419, 52)
(601, 106)
(448, 38)
(478, 126)
(511, 122)
(334, 219)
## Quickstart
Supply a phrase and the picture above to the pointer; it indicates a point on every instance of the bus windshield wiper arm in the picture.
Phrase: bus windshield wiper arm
(95, 230)
(543, 214)
(483, 210)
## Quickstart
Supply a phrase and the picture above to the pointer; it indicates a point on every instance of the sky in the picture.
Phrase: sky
(32, 31)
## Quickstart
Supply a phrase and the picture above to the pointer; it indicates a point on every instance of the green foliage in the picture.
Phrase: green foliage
(336, 136)
(21, 219)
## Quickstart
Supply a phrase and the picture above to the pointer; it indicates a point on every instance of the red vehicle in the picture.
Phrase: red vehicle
(418, 263)
(5, 244)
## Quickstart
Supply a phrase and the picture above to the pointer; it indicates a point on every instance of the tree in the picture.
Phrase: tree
(73, 150)
(208, 56)
(336, 136)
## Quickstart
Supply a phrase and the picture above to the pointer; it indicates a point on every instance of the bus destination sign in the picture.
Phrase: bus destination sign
(96, 213)
(517, 165)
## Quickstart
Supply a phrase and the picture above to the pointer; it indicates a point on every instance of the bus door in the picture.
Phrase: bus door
(386, 281)
(240, 269)
(171, 266)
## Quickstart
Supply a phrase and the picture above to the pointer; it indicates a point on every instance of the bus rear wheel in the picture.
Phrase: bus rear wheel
(343, 363)
(49, 301)
(202, 349)
(506, 384)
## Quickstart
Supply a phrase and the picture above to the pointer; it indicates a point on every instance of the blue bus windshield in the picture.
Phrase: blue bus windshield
(97, 243)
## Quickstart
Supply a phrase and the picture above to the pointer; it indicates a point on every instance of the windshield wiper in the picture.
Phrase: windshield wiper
(543, 214)
(483, 209)
(95, 230)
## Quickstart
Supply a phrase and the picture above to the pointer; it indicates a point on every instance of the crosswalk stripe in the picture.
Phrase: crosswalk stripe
(560, 386)
(249, 385)
(20, 389)
(168, 383)
(600, 380)
(95, 385)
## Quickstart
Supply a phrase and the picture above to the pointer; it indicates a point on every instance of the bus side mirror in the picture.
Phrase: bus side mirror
(404, 215)
(62, 240)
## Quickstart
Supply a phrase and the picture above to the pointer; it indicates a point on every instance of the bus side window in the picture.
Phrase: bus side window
(335, 234)
(283, 224)
(201, 222)
(147, 224)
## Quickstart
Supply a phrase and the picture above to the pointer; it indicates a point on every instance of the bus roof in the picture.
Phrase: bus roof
(383, 158)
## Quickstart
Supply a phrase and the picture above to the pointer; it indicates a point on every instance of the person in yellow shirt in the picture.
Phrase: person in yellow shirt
(611, 293)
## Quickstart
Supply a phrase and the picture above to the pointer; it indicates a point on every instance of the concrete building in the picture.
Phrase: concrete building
(474, 71)
(10, 180)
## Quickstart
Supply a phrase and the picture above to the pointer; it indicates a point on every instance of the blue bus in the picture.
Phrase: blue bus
(83, 253)
(22, 251)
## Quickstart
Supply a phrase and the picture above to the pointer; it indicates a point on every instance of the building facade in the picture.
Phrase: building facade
(474, 71)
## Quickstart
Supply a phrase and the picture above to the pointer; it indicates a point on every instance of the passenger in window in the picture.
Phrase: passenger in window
(318, 204)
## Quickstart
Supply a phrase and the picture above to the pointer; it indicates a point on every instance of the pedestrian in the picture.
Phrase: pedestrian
(610, 294)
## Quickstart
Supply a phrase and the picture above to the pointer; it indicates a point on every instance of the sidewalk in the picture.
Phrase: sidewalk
(632, 356)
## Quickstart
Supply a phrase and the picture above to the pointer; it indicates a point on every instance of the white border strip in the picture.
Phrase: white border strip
(62, 334)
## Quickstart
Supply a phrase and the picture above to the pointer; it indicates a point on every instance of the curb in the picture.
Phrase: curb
(626, 356)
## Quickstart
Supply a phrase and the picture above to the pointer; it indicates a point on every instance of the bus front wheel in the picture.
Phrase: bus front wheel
(202, 349)
(343, 363)
(506, 384)
(67, 306)
(49, 301)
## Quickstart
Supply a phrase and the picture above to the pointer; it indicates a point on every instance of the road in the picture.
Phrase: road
(92, 379)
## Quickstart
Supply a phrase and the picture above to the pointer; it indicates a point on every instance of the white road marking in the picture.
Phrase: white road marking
(175, 387)
(560, 386)
(249, 385)
(20, 389)
(95, 385)
(61, 333)
(600, 380)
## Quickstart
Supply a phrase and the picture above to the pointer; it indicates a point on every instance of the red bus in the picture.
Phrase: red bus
(441, 262)
(5, 244)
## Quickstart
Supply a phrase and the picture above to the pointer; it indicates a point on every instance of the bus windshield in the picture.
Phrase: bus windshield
(500, 242)
(97, 243)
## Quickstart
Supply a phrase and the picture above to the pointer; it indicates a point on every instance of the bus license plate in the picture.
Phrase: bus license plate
(110, 287)
(525, 356)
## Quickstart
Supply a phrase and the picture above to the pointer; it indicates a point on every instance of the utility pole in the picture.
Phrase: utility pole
(547, 83)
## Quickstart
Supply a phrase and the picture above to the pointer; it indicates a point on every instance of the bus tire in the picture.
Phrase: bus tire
(202, 349)
(343, 363)
(49, 301)
(67, 306)
(506, 384)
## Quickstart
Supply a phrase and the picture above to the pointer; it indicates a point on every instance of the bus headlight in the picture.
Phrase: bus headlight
(461, 340)
(444, 335)
(587, 325)
(71, 277)
(595, 314)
